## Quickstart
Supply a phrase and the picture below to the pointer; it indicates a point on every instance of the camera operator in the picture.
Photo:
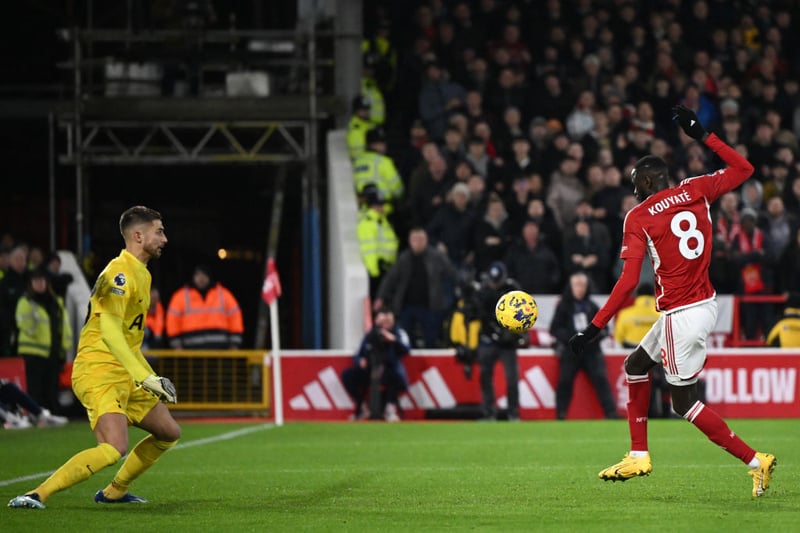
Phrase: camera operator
(497, 343)
(378, 367)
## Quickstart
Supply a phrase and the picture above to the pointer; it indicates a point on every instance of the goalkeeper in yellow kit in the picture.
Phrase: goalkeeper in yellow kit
(111, 376)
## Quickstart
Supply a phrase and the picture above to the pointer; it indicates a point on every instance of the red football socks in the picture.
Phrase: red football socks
(718, 431)
(638, 407)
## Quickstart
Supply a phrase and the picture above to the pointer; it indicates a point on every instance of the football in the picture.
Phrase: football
(516, 311)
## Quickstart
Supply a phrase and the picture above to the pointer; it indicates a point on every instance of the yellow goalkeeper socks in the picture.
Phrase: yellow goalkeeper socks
(79, 468)
(142, 457)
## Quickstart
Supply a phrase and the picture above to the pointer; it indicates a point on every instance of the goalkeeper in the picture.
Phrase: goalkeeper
(111, 376)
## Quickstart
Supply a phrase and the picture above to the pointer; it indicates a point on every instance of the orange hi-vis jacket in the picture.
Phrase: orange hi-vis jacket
(210, 323)
(155, 320)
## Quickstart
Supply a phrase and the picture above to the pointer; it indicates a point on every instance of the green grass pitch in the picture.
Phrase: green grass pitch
(428, 476)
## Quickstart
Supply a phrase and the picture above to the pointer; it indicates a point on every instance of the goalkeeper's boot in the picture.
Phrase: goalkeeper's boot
(26, 501)
(763, 473)
(627, 468)
(127, 498)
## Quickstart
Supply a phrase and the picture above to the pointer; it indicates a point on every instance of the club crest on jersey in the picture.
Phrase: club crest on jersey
(119, 279)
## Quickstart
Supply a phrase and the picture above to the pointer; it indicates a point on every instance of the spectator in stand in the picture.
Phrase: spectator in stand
(428, 191)
(509, 130)
(410, 156)
(377, 240)
(477, 156)
(580, 120)
(761, 150)
(786, 333)
(506, 92)
(585, 252)
(753, 195)
(778, 227)
(11, 288)
(726, 231)
(532, 263)
(492, 235)
(565, 192)
(453, 149)
(517, 201)
(45, 337)
(358, 126)
(607, 204)
(779, 178)
(552, 101)
(419, 288)
(549, 232)
(437, 99)
(378, 367)
(475, 108)
(749, 255)
(572, 314)
(204, 315)
(452, 228)
(791, 198)
(518, 163)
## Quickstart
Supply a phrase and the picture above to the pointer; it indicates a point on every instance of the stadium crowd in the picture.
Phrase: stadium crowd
(513, 126)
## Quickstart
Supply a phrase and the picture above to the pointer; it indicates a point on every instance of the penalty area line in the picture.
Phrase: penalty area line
(190, 444)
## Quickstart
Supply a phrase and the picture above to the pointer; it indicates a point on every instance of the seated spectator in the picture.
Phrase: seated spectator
(427, 194)
(437, 99)
(789, 265)
(378, 367)
(549, 232)
(19, 411)
(778, 227)
(565, 192)
(453, 147)
(532, 263)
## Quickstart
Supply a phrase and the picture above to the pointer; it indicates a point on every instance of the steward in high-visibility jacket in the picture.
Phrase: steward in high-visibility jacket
(377, 106)
(204, 315)
(632, 323)
(45, 337)
(358, 127)
(373, 166)
(786, 333)
(377, 240)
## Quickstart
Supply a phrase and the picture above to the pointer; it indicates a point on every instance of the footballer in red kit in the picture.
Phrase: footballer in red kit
(672, 225)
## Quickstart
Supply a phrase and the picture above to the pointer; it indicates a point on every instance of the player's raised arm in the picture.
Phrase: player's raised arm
(738, 169)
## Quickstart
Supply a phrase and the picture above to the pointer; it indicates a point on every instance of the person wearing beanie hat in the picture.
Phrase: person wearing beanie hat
(204, 315)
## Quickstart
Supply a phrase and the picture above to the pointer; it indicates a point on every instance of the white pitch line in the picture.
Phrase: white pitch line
(192, 443)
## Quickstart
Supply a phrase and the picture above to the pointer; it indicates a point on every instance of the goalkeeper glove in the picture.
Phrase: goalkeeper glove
(161, 387)
(579, 341)
(687, 120)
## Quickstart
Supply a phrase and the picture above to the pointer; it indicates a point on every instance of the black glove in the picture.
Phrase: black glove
(687, 120)
(579, 341)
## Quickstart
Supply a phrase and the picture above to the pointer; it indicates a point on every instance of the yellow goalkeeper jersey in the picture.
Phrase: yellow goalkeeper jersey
(122, 289)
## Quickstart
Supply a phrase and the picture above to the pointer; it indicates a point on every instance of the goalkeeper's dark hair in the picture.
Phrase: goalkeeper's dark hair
(137, 214)
(653, 167)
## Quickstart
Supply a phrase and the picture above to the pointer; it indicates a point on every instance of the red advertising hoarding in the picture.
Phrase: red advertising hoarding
(739, 383)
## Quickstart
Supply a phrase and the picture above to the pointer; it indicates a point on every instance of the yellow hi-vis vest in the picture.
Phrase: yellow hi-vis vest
(372, 167)
(463, 332)
(786, 333)
(632, 323)
(357, 130)
(377, 241)
(377, 107)
(35, 335)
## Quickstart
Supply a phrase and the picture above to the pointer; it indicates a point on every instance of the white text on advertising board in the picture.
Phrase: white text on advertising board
(757, 385)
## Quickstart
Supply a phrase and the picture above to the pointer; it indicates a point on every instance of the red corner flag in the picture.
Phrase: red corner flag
(272, 283)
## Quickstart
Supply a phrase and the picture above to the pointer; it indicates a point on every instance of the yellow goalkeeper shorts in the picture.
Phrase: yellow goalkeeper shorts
(104, 388)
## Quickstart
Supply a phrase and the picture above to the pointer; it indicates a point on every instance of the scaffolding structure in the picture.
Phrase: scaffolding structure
(277, 129)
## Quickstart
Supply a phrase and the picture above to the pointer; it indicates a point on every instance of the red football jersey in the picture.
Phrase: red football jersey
(673, 227)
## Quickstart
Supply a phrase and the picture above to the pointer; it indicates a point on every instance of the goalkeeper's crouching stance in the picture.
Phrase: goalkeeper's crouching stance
(112, 378)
